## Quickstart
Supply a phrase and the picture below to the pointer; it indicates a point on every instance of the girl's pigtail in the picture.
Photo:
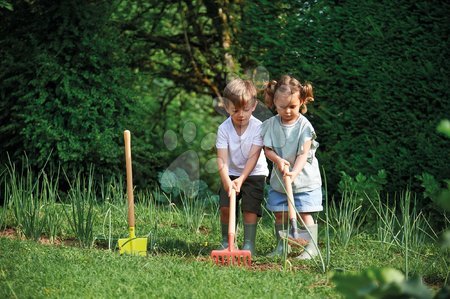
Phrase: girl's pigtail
(308, 96)
(269, 93)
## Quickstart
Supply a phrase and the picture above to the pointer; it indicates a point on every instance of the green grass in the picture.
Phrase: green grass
(180, 240)
(30, 269)
(178, 262)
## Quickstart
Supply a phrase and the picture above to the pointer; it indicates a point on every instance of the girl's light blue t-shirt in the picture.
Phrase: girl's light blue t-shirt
(287, 141)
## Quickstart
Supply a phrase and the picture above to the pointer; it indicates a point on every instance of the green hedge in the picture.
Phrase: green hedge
(380, 74)
(66, 87)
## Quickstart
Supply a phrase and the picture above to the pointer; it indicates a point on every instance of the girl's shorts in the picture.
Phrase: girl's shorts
(305, 202)
(252, 194)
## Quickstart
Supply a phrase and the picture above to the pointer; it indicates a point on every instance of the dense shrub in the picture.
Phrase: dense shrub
(65, 85)
(380, 74)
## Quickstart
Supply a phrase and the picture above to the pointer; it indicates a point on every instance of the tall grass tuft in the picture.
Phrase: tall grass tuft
(24, 194)
(387, 221)
(192, 210)
(147, 212)
(327, 225)
(81, 197)
(404, 227)
(3, 215)
(413, 227)
(3, 209)
(345, 217)
(51, 216)
(114, 208)
(113, 192)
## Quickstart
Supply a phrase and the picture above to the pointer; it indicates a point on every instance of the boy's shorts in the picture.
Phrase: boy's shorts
(305, 202)
(252, 194)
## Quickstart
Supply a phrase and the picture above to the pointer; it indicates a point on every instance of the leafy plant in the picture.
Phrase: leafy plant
(380, 283)
(66, 87)
(439, 195)
(356, 188)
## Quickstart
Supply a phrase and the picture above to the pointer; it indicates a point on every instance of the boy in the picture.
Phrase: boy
(241, 161)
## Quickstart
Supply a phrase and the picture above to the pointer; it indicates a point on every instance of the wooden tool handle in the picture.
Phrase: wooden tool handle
(232, 220)
(232, 213)
(127, 137)
(290, 196)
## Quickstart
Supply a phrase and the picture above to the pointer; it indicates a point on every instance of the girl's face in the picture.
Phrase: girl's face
(288, 108)
(241, 116)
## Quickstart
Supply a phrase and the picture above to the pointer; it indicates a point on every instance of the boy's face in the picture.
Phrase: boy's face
(241, 115)
(288, 108)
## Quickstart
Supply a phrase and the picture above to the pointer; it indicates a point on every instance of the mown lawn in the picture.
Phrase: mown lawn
(180, 240)
(29, 269)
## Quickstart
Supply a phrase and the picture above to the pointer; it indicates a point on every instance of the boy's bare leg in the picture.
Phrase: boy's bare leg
(250, 218)
(224, 214)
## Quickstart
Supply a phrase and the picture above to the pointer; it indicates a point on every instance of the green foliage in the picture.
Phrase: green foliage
(362, 185)
(6, 4)
(380, 76)
(436, 192)
(66, 87)
(380, 283)
(75, 75)
(354, 192)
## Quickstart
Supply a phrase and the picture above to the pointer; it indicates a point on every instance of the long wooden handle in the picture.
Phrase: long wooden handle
(127, 137)
(232, 213)
(290, 197)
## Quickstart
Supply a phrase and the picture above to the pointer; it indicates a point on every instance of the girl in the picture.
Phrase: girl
(289, 140)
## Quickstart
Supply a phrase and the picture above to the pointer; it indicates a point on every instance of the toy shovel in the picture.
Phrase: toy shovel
(231, 255)
(294, 236)
(131, 245)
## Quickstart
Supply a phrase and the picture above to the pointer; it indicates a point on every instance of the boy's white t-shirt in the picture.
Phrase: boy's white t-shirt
(239, 146)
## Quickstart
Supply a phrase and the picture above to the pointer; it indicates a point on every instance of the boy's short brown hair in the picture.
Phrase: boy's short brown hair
(240, 93)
